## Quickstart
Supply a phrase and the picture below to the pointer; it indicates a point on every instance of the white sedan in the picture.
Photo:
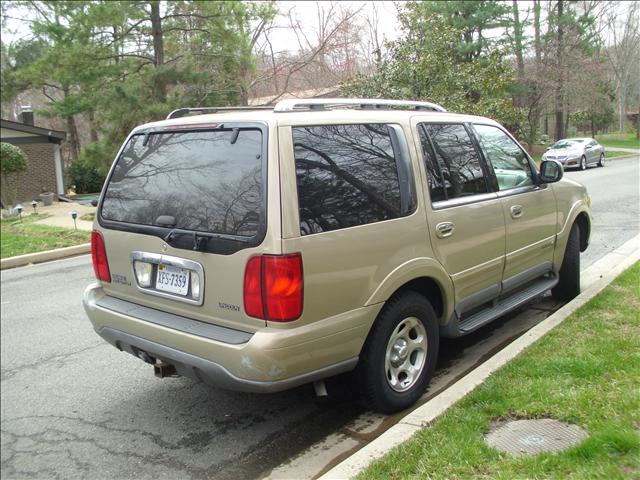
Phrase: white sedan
(576, 152)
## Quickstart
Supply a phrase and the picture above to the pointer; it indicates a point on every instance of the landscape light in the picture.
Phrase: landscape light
(19, 209)
(74, 215)
(34, 204)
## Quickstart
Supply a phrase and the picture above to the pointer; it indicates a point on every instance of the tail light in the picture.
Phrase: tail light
(99, 257)
(273, 287)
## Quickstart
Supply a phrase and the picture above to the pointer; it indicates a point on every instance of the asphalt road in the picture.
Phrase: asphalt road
(73, 407)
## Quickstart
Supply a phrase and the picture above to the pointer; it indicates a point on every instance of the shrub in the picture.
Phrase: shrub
(13, 161)
(85, 177)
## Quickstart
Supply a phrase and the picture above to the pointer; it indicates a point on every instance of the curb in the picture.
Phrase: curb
(597, 277)
(39, 257)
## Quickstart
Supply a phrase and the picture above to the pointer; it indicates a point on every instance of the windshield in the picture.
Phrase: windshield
(207, 180)
(560, 144)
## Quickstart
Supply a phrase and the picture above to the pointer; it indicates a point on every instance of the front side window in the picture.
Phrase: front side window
(346, 176)
(510, 163)
(207, 181)
(453, 165)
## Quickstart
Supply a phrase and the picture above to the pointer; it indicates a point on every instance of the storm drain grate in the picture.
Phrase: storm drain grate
(529, 437)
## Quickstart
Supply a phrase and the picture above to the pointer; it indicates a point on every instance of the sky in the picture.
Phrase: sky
(282, 38)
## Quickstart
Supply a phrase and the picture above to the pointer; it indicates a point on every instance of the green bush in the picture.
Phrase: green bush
(13, 161)
(85, 177)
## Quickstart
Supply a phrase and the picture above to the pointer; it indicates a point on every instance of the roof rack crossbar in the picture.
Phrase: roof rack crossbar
(182, 112)
(297, 104)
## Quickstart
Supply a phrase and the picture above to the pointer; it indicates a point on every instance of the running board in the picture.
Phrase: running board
(506, 304)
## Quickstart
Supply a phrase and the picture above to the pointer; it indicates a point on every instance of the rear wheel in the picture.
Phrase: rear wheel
(568, 286)
(399, 356)
(583, 163)
(601, 161)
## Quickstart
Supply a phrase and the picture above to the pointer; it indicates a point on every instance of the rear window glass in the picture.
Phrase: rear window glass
(209, 181)
(347, 176)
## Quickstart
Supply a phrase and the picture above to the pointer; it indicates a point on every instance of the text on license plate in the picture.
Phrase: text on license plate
(172, 279)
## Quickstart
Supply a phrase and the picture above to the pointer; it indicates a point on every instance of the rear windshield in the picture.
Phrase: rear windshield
(208, 180)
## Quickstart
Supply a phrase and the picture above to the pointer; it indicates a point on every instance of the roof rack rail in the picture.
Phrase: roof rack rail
(297, 104)
(182, 112)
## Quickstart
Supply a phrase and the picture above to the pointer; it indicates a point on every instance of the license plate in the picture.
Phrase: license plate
(172, 279)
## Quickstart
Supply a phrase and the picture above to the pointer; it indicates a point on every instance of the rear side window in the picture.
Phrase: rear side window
(452, 162)
(347, 175)
(209, 181)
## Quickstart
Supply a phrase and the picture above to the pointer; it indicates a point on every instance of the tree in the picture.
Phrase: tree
(13, 161)
(623, 53)
(426, 63)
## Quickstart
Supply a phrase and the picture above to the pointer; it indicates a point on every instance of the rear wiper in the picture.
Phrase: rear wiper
(200, 239)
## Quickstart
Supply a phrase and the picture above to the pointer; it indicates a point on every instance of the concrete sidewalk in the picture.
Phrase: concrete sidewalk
(621, 149)
(60, 215)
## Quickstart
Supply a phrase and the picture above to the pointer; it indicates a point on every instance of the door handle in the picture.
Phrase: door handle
(444, 229)
(516, 211)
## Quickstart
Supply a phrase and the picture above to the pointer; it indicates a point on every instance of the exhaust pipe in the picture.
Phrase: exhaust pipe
(162, 370)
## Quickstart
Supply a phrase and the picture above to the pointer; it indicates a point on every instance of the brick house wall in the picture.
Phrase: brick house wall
(40, 172)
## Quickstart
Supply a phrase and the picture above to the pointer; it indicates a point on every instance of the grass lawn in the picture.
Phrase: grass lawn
(619, 140)
(18, 237)
(89, 217)
(585, 372)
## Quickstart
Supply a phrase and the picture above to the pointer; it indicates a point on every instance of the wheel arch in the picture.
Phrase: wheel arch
(584, 224)
(424, 276)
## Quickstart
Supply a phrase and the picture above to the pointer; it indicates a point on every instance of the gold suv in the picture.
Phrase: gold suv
(258, 249)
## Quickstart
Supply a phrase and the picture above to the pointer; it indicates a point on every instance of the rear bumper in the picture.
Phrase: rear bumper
(268, 360)
(212, 373)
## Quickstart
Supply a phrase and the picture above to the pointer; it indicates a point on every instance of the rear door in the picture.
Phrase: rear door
(465, 217)
(529, 209)
(183, 209)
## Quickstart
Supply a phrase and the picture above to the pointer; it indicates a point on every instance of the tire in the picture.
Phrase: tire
(406, 333)
(601, 161)
(568, 286)
(583, 163)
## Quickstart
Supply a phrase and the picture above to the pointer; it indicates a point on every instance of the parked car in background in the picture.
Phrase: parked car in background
(259, 249)
(576, 152)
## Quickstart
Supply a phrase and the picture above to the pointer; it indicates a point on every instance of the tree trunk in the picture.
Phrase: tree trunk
(559, 93)
(517, 33)
(159, 87)
(74, 142)
(536, 32)
(92, 126)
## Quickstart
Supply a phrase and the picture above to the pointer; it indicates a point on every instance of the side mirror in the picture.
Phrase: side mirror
(550, 171)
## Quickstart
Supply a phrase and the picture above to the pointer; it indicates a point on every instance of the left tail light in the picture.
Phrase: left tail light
(99, 257)
(274, 287)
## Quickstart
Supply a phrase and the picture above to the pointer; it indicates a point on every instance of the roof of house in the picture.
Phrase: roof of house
(21, 127)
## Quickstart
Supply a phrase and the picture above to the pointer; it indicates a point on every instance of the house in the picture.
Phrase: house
(45, 169)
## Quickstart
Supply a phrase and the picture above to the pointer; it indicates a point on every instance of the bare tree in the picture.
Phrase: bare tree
(324, 54)
(623, 51)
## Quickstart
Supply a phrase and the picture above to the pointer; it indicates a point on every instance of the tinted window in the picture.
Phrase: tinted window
(456, 162)
(435, 179)
(509, 162)
(210, 181)
(346, 175)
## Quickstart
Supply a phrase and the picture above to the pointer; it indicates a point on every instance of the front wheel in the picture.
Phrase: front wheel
(583, 163)
(568, 286)
(601, 161)
(399, 356)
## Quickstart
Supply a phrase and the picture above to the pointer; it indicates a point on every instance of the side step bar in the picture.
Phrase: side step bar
(506, 304)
